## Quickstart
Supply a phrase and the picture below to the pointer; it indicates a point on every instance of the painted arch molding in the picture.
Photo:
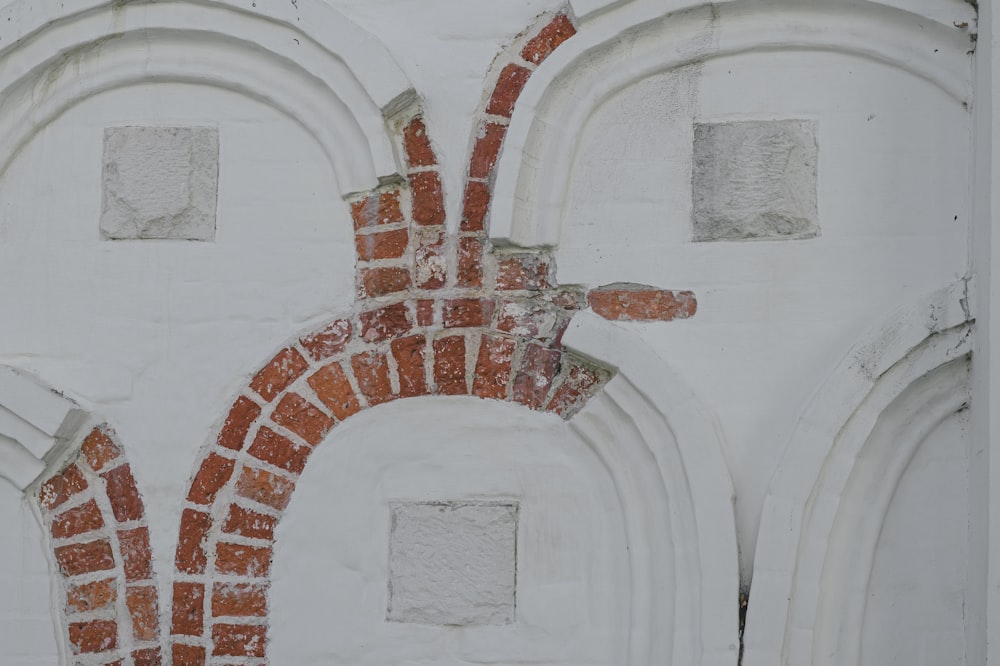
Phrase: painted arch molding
(825, 509)
(304, 59)
(621, 43)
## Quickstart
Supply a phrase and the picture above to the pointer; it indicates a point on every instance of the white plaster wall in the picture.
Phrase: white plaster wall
(773, 317)
(330, 567)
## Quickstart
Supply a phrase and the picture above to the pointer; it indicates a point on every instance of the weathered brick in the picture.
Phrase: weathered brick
(493, 367)
(143, 607)
(148, 657)
(84, 518)
(96, 595)
(93, 637)
(382, 281)
(425, 312)
(213, 474)
(190, 557)
(334, 390)
(417, 144)
(188, 617)
(467, 312)
(247, 523)
(329, 340)
(377, 209)
(548, 39)
(279, 451)
(577, 387)
(382, 245)
(428, 198)
(475, 206)
(136, 556)
(383, 323)
(99, 449)
(234, 431)
(123, 494)
(266, 488)
(371, 369)
(470, 262)
(239, 560)
(409, 354)
(523, 272)
(449, 365)
(637, 302)
(489, 139)
(538, 369)
(303, 418)
(508, 89)
(287, 366)
(430, 261)
(61, 487)
(237, 640)
(188, 655)
(239, 600)
(81, 558)
(532, 318)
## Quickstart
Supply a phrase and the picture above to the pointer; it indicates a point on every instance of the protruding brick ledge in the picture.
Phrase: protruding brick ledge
(625, 301)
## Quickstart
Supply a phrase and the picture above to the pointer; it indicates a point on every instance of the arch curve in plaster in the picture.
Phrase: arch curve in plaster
(619, 45)
(305, 59)
(892, 389)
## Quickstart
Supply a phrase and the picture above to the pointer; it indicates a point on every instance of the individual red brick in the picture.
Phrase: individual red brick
(92, 637)
(303, 418)
(214, 472)
(538, 368)
(430, 261)
(239, 600)
(188, 655)
(238, 640)
(371, 369)
(188, 616)
(467, 312)
(61, 487)
(470, 262)
(428, 198)
(425, 312)
(84, 518)
(287, 366)
(449, 365)
(382, 281)
(382, 245)
(377, 209)
(247, 523)
(190, 557)
(329, 340)
(266, 488)
(523, 272)
(409, 354)
(531, 318)
(578, 387)
(143, 607)
(99, 449)
(489, 139)
(242, 415)
(334, 390)
(507, 90)
(637, 302)
(96, 595)
(548, 39)
(81, 558)
(384, 323)
(148, 657)
(493, 367)
(240, 560)
(418, 145)
(136, 556)
(124, 496)
(279, 451)
(475, 206)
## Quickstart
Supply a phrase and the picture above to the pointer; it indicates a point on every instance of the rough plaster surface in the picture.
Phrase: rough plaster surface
(754, 180)
(160, 182)
(453, 563)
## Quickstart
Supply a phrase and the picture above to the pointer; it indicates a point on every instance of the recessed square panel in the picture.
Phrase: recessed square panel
(160, 182)
(755, 180)
(453, 563)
